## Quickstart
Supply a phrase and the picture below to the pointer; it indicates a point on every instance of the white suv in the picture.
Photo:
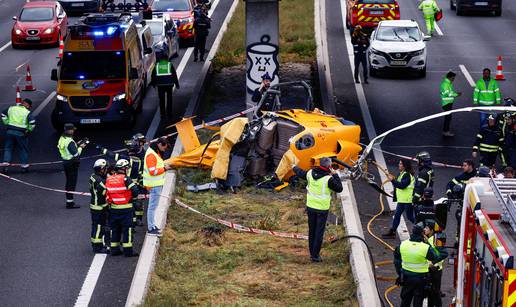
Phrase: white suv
(397, 44)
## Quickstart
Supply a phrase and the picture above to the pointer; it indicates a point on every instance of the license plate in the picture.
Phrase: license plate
(398, 62)
(481, 3)
(77, 4)
(32, 38)
(90, 121)
(375, 12)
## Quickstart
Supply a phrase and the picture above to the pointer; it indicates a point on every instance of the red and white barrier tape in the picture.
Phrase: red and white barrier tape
(243, 228)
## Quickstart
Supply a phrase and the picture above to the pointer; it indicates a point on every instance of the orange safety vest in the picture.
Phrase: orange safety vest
(117, 192)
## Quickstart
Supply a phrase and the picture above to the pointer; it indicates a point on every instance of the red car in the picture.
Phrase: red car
(368, 13)
(181, 11)
(39, 23)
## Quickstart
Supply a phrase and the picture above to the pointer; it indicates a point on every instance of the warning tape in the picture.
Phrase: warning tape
(243, 228)
(414, 159)
(214, 122)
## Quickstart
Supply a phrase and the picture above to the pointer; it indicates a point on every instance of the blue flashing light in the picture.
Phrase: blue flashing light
(118, 53)
(111, 30)
(124, 26)
(81, 77)
(170, 10)
(69, 54)
(98, 33)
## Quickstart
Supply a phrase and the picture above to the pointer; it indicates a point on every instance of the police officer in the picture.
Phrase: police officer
(20, 124)
(98, 207)
(436, 269)
(489, 142)
(321, 181)
(135, 172)
(425, 176)
(164, 76)
(120, 193)
(268, 102)
(411, 262)
(360, 43)
(202, 25)
(426, 209)
(69, 150)
(469, 171)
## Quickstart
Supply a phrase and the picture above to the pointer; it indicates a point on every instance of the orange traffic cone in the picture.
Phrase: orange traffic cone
(28, 81)
(499, 69)
(61, 48)
(18, 95)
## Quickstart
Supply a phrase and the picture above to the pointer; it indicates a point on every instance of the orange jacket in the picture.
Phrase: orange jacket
(152, 162)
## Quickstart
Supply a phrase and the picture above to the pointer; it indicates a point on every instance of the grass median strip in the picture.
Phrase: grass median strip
(204, 263)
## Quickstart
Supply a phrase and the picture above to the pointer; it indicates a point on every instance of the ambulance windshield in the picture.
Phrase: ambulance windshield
(88, 65)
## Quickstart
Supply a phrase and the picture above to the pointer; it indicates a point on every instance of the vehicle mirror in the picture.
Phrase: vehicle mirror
(373, 33)
(148, 50)
(61, 16)
(133, 73)
(426, 38)
(53, 75)
(15, 18)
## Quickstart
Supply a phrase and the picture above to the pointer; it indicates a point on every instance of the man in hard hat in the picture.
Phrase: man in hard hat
(154, 169)
(486, 93)
(429, 8)
(120, 194)
(98, 207)
(70, 151)
(20, 124)
(489, 143)
(411, 262)
(164, 76)
(425, 176)
(322, 180)
(448, 95)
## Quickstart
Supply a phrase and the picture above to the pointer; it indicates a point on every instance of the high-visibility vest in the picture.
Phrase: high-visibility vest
(98, 201)
(413, 256)
(150, 180)
(118, 193)
(18, 117)
(163, 68)
(318, 194)
(429, 8)
(439, 264)
(405, 195)
(487, 96)
(62, 145)
(448, 94)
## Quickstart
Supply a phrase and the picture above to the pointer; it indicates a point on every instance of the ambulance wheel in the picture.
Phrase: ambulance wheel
(15, 46)
(58, 126)
(498, 12)
(422, 73)
(459, 11)
(373, 72)
(144, 89)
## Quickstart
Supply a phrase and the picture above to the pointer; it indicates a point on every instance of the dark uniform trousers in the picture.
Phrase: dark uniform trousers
(316, 226)
(200, 45)
(71, 169)
(121, 222)
(434, 297)
(165, 99)
(413, 291)
(99, 228)
(488, 158)
(139, 208)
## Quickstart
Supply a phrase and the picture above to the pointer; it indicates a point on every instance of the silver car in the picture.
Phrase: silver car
(164, 31)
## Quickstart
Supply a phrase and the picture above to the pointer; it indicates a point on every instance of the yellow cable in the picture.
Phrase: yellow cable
(386, 294)
(385, 262)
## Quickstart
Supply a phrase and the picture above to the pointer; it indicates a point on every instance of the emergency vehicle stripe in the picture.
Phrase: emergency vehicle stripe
(510, 298)
(360, 12)
(361, 18)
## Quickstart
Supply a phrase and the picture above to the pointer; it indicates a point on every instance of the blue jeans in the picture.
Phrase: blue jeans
(409, 214)
(154, 195)
(16, 138)
(483, 119)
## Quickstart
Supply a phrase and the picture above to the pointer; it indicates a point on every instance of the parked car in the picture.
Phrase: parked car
(149, 57)
(80, 6)
(39, 23)
(397, 44)
(164, 31)
(463, 6)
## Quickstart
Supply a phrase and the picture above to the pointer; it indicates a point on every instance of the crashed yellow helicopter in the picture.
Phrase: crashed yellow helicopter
(271, 141)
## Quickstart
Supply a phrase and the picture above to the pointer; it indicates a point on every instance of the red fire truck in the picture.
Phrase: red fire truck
(484, 266)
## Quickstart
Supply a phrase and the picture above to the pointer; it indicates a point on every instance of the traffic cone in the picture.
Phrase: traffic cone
(499, 69)
(18, 95)
(61, 49)
(28, 81)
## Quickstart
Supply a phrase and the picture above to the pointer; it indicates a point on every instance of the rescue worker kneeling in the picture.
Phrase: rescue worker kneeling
(121, 191)
(411, 262)
(98, 208)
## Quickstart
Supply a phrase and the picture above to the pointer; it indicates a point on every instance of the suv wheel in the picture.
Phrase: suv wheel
(498, 12)
(58, 126)
(422, 73)
(372, 72)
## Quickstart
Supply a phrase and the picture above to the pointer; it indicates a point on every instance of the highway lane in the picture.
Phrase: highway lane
(393, 99)
(47, 251)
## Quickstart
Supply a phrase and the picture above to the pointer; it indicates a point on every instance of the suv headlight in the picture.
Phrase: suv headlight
(18, 31)
(48, 31)
(119, 97)
(418, 52)
(375, 52)
(61, 98)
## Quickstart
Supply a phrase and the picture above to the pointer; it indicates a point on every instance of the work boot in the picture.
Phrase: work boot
(25, 170)
(202, 59)
(116, 252)
(101, 250)
(390, 234)
(132, 254)
(195, 59)
(72, 206)
(366, 82)
(357, 81)
(5, 170)
(139, 223)
(448, 133)
(316, 259)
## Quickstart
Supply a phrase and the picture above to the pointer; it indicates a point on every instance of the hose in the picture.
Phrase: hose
(386, 295)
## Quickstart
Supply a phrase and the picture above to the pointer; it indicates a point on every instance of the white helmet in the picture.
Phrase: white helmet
(122, 163)
(100, 164)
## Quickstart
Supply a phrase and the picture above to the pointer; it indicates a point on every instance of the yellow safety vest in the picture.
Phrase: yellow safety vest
(17, 116)
(62, 145)
(405, 195)
(413, 256)
(439, 264)
(487, 96)
(150, 180)
(318, 194)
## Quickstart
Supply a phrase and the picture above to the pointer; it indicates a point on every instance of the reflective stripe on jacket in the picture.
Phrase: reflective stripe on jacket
(18, 118)
(405, 195)
(153, 169)
(118, 193)
(448, 94)
(429, 8)
(318, 194)
(413, 256)
(439, 264)
(98, 193)
(487, 96)
(62, 145)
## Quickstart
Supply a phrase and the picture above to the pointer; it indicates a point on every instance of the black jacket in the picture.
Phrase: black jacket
(97, 190)
(488, 136)
(462, 178)
(334, 183)
(426, 211)
(165, 80)
(425, 179)
(360, 44)
(202, 25)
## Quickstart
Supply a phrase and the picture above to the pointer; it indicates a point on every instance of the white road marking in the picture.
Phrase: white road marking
(43, 104)
(467, 75)
(437, 29)
(371, 131)
(90, 282)
(5, 46)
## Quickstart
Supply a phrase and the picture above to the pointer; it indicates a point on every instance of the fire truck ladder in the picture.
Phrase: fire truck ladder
(505, 193)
